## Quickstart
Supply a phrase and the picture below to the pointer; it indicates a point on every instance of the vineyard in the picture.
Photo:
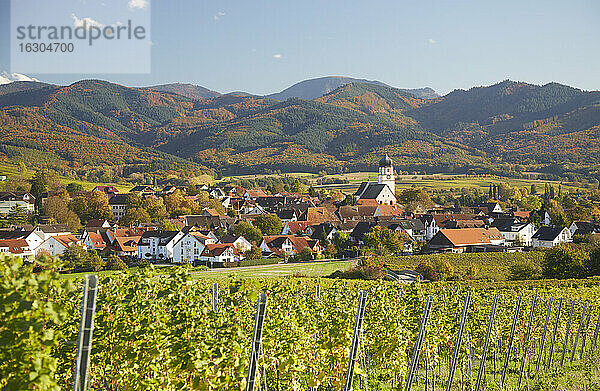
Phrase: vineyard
(495, 266)
(167, 332)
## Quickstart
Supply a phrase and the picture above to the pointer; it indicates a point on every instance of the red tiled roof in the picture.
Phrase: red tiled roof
(66, 240)
(217, 249)
(299, 226)
(15, 246)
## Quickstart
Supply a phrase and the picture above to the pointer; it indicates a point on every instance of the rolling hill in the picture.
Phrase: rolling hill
(191, 91)
(315, 88)
(503, 128)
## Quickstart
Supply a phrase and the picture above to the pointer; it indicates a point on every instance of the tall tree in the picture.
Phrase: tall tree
(268, 224)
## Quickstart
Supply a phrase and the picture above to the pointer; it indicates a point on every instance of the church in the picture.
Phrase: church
(384, 191)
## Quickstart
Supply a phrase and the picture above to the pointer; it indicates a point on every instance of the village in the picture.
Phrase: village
(298, 227)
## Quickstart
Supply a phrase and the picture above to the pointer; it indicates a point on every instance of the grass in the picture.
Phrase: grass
(310, 269)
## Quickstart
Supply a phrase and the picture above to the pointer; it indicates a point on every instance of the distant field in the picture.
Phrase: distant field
(258, 176)
(10, 170)
(441, 181)
(309, 269)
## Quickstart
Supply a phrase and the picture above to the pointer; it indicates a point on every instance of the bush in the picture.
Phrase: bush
(524, 270)
(359, 273)
(566, 261)
(115, 263)
(426, 270)
(593, 264)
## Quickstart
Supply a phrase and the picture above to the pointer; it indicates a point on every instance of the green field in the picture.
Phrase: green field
(443, 181)
(316, 269)
(11, 170)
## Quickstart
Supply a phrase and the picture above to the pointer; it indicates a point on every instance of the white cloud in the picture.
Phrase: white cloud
(87, 22)
(137, 4)
(6, 77)
(431, 41)
(277, 55)
(219, 15)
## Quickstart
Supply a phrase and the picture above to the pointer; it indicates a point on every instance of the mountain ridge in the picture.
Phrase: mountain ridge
(487, 129)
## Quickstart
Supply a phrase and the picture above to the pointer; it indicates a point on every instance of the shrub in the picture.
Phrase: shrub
(359, 273)
(115, 263)
(427, 271)
(566, 261)
(524, 270)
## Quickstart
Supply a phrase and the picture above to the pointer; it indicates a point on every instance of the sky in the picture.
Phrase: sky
(265, 46)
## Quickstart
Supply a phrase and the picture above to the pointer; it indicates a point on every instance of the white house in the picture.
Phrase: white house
(239, 242)
(158, 245)
(518, 233)
(547, 237)
(219, 253)
(57, 245)
(16, 247)
(30, 236)
(190, 247)
(281, 245)
(582, 228)
(12, 199)
(118, 205)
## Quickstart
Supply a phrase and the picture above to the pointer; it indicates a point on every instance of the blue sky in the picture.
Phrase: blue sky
(264, 46)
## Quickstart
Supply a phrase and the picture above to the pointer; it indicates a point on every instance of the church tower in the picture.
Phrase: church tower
(386, 173)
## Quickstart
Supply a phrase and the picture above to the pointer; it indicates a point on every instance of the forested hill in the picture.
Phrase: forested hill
(503, 127)
(315, 88)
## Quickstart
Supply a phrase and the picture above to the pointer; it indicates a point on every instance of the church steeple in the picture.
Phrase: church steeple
(386, 173)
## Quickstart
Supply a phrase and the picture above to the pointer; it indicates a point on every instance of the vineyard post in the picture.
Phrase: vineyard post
(526, 341)
(585, 332)
(259, 319)
(510, 341)
(215, 296)
(541, 352)
(595, 333)
(486, 344)
(86, 331)
(578, 331)
(461, 327)
(419, 343)
(360, 313)
(554, 333)
(562, 359)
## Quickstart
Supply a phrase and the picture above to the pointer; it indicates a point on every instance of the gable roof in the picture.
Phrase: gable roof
(14, 234)
(14, 246)
(126, 243)
(548, 233)
(216, 249)
(66, 240)
(584, 227)
(53, 228)
(463, 237)
(298, 226)
(373, 190)
(118, 199)
(97, 239)
(357, 211)
(321, 214)
(17, 196)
